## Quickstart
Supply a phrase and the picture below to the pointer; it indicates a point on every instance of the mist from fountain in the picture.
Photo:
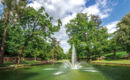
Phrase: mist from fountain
(74, 63)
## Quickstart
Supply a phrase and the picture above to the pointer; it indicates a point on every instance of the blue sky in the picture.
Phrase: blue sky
(110, 11)
(120, 9)
(1, 10)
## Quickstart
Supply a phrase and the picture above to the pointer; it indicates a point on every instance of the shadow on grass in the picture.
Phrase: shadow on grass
(114, 72)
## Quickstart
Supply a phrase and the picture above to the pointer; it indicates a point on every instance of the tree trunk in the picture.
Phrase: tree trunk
(35, 58)
(23, 58)
(95, 57)
(19, 55)
(88, 58)
(22, 48)
(4, 39)
(89, 55)
(53, 58)
(114, 54)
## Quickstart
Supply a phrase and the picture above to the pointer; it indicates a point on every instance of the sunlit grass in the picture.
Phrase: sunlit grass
(114, 61)
(120, 58)
(119, 55)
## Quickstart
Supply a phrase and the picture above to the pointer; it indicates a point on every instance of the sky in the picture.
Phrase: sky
(110, 11)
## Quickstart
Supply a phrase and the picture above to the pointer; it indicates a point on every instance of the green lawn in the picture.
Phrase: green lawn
(30, 62)
(6, 64)
(119, 58)
(119, 55)
(114, 61)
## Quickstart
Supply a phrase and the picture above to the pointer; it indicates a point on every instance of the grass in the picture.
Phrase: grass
(64, 60)
(115, 61)
(6, 64)
(119, 55)
(118, 60)
(9, 63)
(30, 62)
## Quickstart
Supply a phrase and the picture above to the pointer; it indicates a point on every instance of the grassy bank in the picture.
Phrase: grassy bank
(114, 61)
(9, 63)
(119, 59)
(119, 55)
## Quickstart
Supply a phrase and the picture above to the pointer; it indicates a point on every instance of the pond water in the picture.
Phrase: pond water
(57, 72)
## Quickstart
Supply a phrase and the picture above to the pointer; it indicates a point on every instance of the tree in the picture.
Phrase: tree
(123, 33)
(60, 54)
(87, 35)
(35, 23)
(14, 40)
(9, 6)
(114, 46)
(27, 23)
(100, 41)
(54, 50)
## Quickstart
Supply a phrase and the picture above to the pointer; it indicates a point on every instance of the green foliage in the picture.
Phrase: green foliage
(123, 33)
(87, 35)
(29, 31)
(56, 51)
(14, 40)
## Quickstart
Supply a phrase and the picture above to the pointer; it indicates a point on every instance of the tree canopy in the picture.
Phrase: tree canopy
(87, 35)
(123, 32)
(25, 30)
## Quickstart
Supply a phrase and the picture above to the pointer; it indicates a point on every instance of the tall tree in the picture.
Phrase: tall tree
(86, 34)
(35, 23)
(114, 46)
(8, 9)
(54, 51)
(123, 32)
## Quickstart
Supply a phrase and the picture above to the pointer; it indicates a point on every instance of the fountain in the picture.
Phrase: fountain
(74, 60)
(66, 66)
(75, 64)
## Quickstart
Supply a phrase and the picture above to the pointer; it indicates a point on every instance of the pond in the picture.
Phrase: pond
(57, 72)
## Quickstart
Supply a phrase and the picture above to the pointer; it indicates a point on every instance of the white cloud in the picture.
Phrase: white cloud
(112, 26)
(92, 10)
(100, 8)
(63, 9)
(36, 5)
(59, 8)
(68, 18)
(102, 2)
(67, 10)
